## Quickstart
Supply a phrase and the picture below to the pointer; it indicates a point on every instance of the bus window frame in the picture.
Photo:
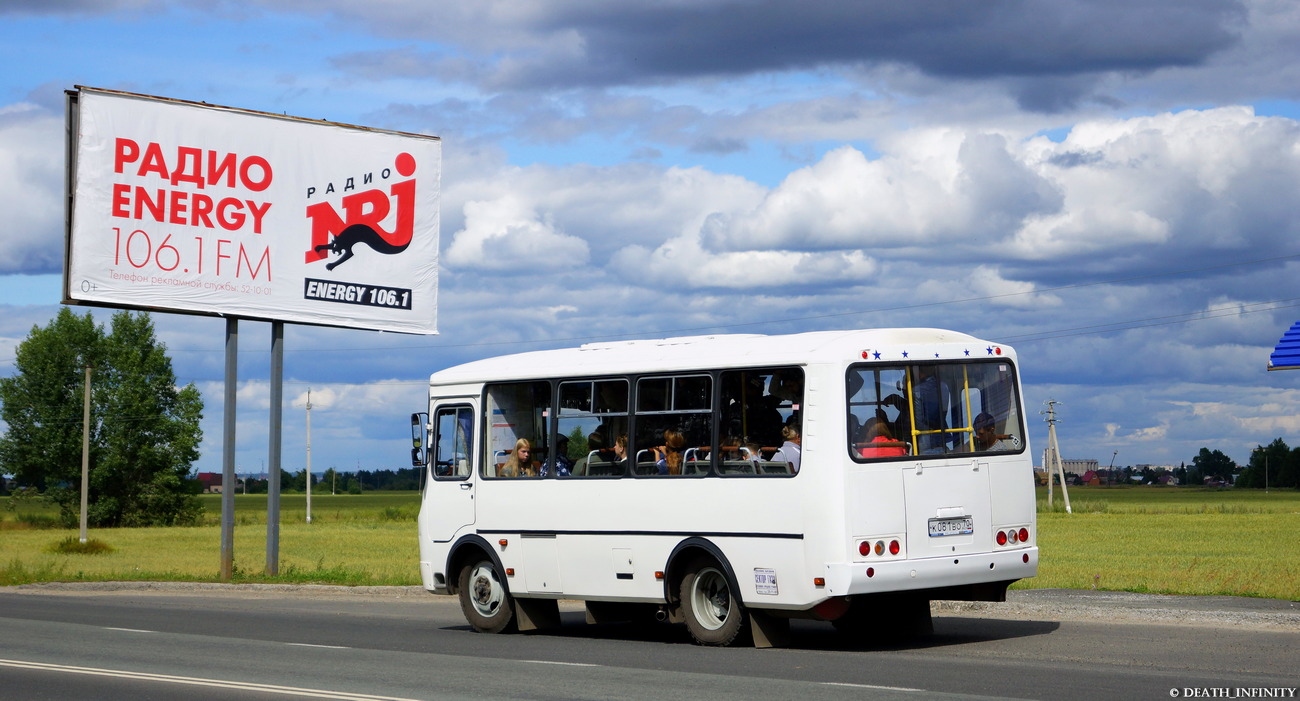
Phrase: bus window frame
(453, 407)
(553, 424)
(552, 413)
(964, 394)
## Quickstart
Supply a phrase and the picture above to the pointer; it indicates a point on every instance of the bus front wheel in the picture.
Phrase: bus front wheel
(714, 616)
(484, 599)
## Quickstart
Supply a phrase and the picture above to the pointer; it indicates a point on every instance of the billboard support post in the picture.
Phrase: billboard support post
(273, 454)
(228, 451)
(85, 454)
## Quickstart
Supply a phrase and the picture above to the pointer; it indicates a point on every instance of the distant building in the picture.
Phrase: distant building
(1079, 467)
(211, 482)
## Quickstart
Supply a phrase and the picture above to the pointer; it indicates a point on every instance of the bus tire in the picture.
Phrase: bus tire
(484, 599)
(714, 616)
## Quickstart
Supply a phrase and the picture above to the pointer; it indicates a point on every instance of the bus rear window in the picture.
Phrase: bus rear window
(932, 409)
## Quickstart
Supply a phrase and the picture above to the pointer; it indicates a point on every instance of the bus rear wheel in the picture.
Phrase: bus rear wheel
(484, 599)
(714, 616)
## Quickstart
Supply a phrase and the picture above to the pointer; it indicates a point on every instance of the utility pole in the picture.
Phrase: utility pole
(1053, 456)
(308, 455)
(86, 455)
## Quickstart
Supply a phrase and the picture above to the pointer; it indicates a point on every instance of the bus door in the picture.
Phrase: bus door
(450, 496)
(948, 506)
(947, 487)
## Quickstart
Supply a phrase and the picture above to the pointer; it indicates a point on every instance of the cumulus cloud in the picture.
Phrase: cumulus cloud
(1208, 181)
(31, 189)
(987, 282)
(1205, 181)
(934, 187)
(682, 263)
(508, 234)
(568, 217)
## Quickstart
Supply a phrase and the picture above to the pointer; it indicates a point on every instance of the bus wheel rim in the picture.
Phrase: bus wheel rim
(487, 593)
(711, 598)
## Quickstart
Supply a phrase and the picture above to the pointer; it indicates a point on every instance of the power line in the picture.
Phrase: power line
(1201, 315)
(1114, 326)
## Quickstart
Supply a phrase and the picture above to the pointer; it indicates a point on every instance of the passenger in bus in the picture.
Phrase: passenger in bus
(986, 434)
(788, 386)
(563, 464)
(595, 444)
(519, 464)
(668, 457)
(930, 398)
(762, 418)
(880, 442)
(790, 449)
(730, 448)
(900, 428)
(754, 452)
(620, 450)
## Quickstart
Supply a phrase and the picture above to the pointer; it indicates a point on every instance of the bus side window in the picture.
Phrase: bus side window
(514, 411)
(674, 415)
(453, 432)
(755, 406)
(591, 419)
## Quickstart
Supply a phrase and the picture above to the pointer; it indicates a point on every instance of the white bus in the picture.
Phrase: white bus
(729, 482)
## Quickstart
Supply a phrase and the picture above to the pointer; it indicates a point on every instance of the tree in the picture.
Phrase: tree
(1211, 464)
(144, 432)
(1280, 461)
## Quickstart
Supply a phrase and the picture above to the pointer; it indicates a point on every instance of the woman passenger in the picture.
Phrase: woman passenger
(791, 448)
(668, 457)
(519, 464)
(880, 443)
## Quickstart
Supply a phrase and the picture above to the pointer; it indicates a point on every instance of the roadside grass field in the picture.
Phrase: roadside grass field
(1167, 540)
(366, 539)
(1126, 538)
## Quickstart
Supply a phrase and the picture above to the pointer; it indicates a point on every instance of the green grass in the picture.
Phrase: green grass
(1142, 539)
(1171, 541)
(366, 539)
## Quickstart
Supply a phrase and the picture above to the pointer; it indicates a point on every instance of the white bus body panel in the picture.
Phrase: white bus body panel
(604, 539)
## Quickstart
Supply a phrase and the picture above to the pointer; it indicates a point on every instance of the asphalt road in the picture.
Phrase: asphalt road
(250, 642)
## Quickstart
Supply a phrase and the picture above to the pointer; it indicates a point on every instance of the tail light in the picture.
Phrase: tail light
(880, 548)
(1012, 536)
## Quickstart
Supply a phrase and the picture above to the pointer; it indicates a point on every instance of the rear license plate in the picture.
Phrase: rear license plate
(963, 525)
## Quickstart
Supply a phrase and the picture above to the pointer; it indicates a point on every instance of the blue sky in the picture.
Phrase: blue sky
(1107, 185)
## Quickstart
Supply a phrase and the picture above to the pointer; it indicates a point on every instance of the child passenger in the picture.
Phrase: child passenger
(519, 464)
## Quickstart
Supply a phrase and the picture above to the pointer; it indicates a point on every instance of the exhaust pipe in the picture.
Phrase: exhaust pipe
(661, 614)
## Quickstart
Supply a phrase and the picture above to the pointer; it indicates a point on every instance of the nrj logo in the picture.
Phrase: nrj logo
(363, 215)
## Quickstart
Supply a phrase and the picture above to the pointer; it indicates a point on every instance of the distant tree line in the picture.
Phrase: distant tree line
(333, 482)
(1275, 465)
(1281, 463)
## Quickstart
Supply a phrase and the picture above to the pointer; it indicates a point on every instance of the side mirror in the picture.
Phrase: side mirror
(418, 457)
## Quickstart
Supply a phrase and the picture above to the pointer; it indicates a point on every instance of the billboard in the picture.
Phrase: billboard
(189, 207)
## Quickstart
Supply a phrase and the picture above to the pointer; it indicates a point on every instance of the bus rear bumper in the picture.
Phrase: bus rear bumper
(952, 573)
